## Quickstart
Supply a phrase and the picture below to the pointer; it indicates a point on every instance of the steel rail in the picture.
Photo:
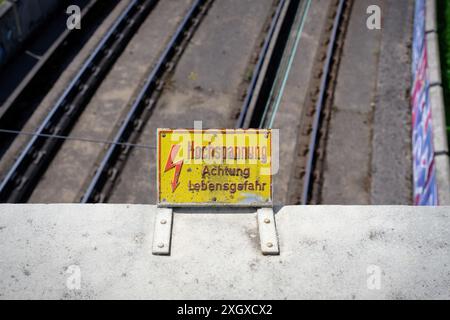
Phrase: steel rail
(258, 68)
(277, 45)
(142, 104)
(320, 102)
(35, 158)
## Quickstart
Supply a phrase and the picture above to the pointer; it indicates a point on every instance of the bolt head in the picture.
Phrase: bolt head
(269, 244)
(163, 221)
(160, 245)
(266, 220)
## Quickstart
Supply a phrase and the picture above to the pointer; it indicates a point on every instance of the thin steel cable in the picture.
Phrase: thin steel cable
(287, 71)
(290, 63)
(82, 139)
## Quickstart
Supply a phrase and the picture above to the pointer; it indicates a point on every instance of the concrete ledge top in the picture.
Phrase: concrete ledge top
(104, 251)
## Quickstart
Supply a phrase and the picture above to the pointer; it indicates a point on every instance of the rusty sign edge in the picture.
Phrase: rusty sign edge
(160, 204)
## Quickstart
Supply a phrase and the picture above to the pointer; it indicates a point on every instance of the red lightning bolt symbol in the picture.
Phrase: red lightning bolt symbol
(177, 165)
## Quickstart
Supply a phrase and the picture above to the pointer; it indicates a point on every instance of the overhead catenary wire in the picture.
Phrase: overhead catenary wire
(75, 138)
(286, 74)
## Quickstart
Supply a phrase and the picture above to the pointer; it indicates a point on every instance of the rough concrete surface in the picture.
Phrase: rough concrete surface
(391, 144)
(326, 252)
(434, 62)
(347, 177)
(347, 169)
(440, 142)
(371, 163)
(442, 163)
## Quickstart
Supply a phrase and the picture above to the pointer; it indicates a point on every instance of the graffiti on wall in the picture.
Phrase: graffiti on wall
(424, 171)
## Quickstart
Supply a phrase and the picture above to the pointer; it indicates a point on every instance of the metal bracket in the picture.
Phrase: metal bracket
(162, 233)
(267, 231)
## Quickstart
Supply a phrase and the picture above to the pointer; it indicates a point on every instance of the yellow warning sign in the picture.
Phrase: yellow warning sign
(228, 167)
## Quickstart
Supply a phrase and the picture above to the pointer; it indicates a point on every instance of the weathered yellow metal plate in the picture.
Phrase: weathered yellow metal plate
(214, 167)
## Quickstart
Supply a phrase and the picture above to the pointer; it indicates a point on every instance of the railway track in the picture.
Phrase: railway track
(258, 72)
(116, 164)
(305, 186)
(33, 160)
(306, 180)
(120, 173)
(17, 106)
(106, 172)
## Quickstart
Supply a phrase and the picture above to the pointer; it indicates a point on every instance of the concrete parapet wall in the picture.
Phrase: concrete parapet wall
(18, 19)
(441, 158)
(337, 252)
